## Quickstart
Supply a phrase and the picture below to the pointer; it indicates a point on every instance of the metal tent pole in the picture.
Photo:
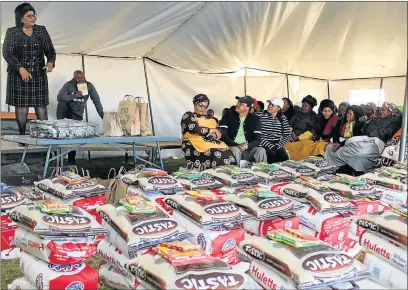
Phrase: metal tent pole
(403, 140)
(245, 82)
(328, 89)
(86, 104)
(148, 94)
(287, 85)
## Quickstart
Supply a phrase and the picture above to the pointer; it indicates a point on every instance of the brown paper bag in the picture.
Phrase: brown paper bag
(111, 125)
(109, 183)
(144, 117)
(129, 116)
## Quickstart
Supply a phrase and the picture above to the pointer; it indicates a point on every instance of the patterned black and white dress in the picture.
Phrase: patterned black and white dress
(20, 50)
(210, 158)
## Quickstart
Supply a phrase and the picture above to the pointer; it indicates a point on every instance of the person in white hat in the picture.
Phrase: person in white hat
(275, 131)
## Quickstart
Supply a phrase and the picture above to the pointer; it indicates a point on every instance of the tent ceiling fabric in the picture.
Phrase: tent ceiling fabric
(331, 40)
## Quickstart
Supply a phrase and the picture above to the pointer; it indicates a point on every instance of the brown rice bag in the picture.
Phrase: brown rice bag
(308, 267)
(156, 272)
(207, 212)
(388, 224)
(232, 175)
(264, 208)
(271, 173)
(76, 223)
(145, 230)
(66, 191)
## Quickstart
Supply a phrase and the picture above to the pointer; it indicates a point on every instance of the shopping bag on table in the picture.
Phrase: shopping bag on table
(144, 116)
(111, 125)
(129, 116)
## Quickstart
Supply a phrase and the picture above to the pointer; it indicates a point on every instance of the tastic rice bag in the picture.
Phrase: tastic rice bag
(207, 213)
(232, 175)
(143, 230)
(11, 198)
(131, 177)
(66, 191)
(264, 208)
(296, 168)
(329, 201)
(194, 180)
(353, 188)
(308, 267)
(49, 276)
(271, 173)
(56, 252)
(319, 164)
(76, 223)
(386, 180)
(388, 224)
(157, 273)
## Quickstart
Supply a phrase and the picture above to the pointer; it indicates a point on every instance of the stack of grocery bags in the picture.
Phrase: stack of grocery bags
(55, 239)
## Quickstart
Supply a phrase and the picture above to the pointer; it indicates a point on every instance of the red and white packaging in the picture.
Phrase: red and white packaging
(110, 276)
(356, 230)
(8, 247)
(385, 274)
(21, 283)
(89, 204)
(323, 223)
(333, 238)
(261, 228)
(385, 249)
(70, 251)
(364, 207)
(267, 277)
(350, 246)
(218, 242)
(79, 276)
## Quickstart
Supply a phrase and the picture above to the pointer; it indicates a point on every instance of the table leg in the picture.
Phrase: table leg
(62, 159)
(160, 155)
(47, 159)
(134, 154)
(24, 153)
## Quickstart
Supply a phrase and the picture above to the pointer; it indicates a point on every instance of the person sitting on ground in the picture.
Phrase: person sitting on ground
(288, 109)
(242, 132)
(342, 110)
(201, 145)
(297, 108)
(275, 131)
(211, 113)
(303, 128)
(327, 121)
(370, 112)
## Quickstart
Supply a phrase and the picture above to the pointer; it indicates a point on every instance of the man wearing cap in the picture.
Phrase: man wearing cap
(242, 132)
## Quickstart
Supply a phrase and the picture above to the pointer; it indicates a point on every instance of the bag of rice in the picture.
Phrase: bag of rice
(10, 198)
(110, 276)
(232, 175)
(142, 230)
(353, 188)
(296, 168)
(320, 164)
(271, 173)
(207, 212)
(194, 180)
(308, 267)
(385, 180)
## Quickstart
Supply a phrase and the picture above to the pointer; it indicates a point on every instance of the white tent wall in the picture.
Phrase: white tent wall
(300, 87)
(264, 85)
(356, 92)
(394, 90)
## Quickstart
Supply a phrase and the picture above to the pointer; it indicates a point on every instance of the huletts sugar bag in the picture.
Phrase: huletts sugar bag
(55, 252)
(207, 212)
(232, 175)
(388, 224)
(48, 276)
(271, 173)
(253, 202)
(142, 230)
(75, 223)
(65, 190)
(156, 272)
(315, 266)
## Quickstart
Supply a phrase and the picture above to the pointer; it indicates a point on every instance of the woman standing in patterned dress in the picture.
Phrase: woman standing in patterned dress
(201, 143)
(24, 48)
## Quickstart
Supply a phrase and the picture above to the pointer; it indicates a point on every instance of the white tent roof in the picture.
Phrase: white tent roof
(330, 40)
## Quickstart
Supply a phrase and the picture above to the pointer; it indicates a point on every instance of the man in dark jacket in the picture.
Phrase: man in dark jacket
(242, 132)
(72, 102)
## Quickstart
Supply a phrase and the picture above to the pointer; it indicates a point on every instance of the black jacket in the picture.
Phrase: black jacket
(252, 129)
(357, 130)
(302, 123)
(383, 128)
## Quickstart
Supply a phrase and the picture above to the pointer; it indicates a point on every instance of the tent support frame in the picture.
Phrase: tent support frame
(86, 104)
(148, 95)
(403, 140)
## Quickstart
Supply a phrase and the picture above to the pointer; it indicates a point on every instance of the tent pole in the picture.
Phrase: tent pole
(287, 85)
(148, 95)
(403, 140)
(245, 87)
(379, 95)
(328, 89)
(86, 104)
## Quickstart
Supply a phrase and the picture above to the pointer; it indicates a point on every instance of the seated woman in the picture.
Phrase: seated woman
(327, 122)
(288, 109)
(201, 143)
(275, 131)
(342, 110)
(361, 153)
(303, 128)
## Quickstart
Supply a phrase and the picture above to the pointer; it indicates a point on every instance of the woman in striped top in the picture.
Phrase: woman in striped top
(275, 131)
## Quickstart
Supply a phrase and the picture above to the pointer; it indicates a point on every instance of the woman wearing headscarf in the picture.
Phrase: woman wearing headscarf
(303, 128)
(201, 143)
(342, 110)
(361, 153)
(24, 48)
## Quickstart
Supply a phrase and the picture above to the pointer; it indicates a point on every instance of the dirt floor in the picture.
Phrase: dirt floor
(98, 168)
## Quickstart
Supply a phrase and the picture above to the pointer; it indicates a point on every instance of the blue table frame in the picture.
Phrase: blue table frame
(110, 141)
